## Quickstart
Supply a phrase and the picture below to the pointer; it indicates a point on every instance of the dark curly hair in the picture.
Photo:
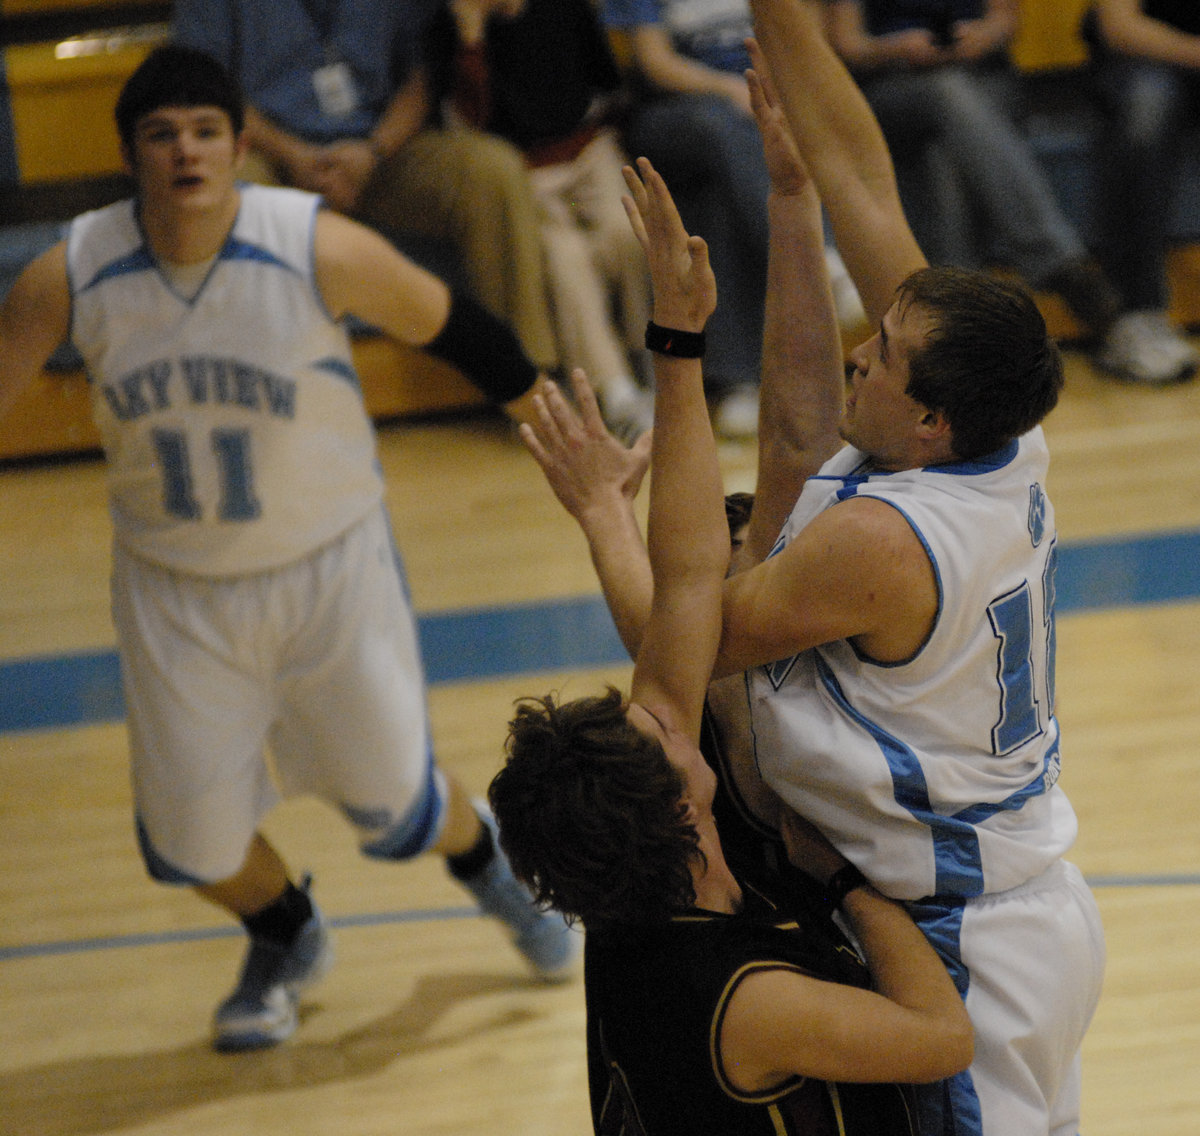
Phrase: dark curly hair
(591, 813)
(988, 363)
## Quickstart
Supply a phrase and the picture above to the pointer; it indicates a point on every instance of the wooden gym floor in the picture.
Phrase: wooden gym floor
(427, 1025)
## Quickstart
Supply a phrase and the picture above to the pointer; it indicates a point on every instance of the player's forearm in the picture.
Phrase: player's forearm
(622, 565)
(908, 971)
(843, 147)
(800, 394)
(360, 272)
(833, 126)
(687, 536)
(689, 551)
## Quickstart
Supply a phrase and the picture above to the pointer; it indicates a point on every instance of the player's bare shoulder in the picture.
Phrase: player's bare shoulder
(889, 568)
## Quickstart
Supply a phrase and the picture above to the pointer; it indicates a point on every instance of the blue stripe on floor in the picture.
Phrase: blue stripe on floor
(1158, 568)
(577, 633)
(384, 918)
(199, 934)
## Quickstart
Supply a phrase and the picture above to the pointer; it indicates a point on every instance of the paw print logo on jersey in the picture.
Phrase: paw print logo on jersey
(1037, 513)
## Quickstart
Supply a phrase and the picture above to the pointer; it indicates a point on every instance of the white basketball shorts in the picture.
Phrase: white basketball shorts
(315, 663)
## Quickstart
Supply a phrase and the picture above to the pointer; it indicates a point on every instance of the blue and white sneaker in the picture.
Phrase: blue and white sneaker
(262, 1010)
(543, 937)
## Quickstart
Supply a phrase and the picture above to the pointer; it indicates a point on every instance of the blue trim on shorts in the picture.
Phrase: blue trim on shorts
(950, 1107)
(158, 868)
(419, 828)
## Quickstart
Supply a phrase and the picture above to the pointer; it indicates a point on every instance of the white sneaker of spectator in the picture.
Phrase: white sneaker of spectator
(1142, 347)
(628, 409)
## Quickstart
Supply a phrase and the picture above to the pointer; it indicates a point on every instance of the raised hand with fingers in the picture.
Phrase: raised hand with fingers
(584, 463)
(786, 168)
(685, 290)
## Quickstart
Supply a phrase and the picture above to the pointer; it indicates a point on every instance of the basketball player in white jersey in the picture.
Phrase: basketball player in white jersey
(897, 644)
(257, 595)
(899, 641)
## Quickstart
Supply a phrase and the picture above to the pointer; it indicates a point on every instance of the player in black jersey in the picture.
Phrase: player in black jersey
(716, 1003)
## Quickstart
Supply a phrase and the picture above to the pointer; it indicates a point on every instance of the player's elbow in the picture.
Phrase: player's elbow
(953, 1049)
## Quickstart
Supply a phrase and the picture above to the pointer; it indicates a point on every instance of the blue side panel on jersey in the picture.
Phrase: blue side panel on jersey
(957, 863)
(10, 171)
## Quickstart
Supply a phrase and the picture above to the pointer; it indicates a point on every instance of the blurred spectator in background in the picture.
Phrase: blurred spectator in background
(692, 119)
(938, 76)
(1146, 61)
(338, 103)
(541, 75)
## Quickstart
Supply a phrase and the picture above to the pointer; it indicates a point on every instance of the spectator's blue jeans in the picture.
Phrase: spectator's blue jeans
(710, 155)
(965, 170)
(1149, 105)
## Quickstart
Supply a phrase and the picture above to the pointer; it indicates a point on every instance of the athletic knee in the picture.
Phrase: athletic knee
(158, 867)
(414, 833)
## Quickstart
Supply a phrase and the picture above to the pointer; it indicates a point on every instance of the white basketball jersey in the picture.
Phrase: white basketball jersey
(233, 422)
(936, 775)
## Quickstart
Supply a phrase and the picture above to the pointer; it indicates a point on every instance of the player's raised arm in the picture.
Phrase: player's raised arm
(843, 147)
(800, 397)
(596, 478)
(687, 536)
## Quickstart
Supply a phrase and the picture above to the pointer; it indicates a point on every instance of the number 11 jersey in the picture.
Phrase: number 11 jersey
(232, 419)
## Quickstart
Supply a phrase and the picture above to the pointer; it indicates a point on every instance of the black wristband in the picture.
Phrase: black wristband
(671, 341)
(843, 882)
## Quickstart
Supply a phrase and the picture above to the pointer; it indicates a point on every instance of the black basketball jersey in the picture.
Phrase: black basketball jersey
(655, 1000)
(655, 996)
